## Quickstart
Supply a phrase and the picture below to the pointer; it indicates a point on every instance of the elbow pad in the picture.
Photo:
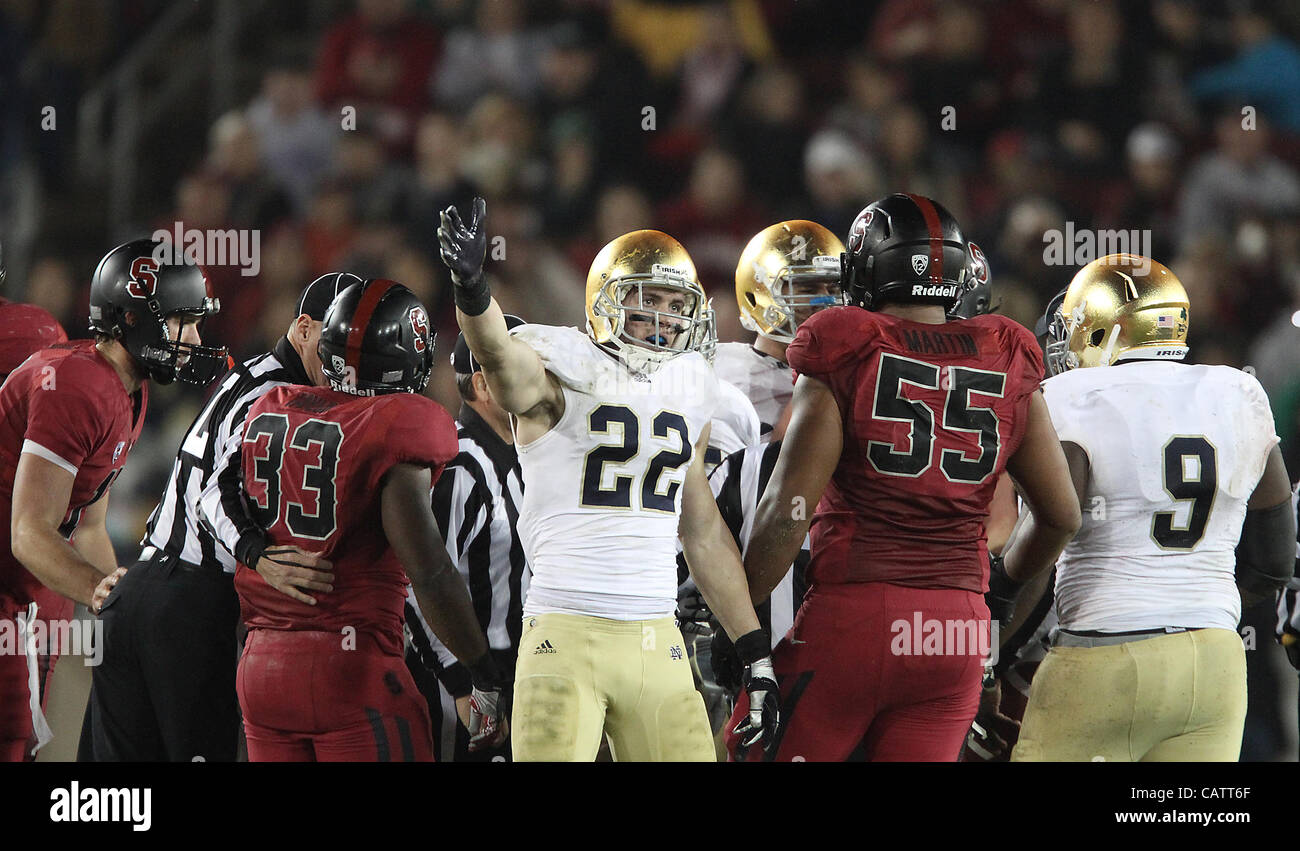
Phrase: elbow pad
(1266, 555)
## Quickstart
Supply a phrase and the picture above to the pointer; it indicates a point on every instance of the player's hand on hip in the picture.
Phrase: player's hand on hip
(760, 724)
(487, 725)
(291, 571)
(106, 585)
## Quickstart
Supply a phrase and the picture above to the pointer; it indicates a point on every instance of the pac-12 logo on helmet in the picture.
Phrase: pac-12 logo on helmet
(420, 325)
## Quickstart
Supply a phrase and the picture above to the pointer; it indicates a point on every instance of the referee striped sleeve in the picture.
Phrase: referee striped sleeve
(222, 508)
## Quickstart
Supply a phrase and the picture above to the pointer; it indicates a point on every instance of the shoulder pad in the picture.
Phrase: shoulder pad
(568, 354)
(830, 338)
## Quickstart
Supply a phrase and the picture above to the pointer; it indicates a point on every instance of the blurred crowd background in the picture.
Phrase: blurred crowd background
(336, 130)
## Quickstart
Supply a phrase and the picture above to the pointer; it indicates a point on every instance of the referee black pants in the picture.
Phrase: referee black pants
(165, 690)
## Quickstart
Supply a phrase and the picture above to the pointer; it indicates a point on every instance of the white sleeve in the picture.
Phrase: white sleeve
(1258, 427)
(1069, 416)
(735, 421)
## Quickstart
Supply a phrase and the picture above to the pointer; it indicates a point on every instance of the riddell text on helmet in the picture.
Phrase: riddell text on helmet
(946, 290)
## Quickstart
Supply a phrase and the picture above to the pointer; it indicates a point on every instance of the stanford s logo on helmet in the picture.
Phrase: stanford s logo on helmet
(132, 295)
(978, 297)
(420, 325)
(376, 340)
(905, 249)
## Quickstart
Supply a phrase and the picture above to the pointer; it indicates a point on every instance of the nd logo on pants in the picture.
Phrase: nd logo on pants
(579, 677)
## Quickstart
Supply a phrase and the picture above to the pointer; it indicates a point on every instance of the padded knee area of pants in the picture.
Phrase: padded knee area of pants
(545, 723)
(684, 732)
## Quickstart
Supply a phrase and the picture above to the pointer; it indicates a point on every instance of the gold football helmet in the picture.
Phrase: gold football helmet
(1118, 306)
(625, 313)
(780, 261)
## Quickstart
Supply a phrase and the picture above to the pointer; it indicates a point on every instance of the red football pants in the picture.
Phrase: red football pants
(17, 738)
(879, 671)
(306, 698)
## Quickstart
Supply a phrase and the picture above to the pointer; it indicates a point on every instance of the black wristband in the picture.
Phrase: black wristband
(484, 673)
(753, 646)
(472, 297)
(456, 679)
(250, 548)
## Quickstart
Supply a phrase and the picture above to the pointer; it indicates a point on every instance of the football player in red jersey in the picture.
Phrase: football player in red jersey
(24, 330)
(902, 425)
(69, 416)
(346, 470)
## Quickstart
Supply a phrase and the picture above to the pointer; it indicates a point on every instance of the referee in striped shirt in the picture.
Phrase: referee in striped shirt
(165, 690)
(476, 503)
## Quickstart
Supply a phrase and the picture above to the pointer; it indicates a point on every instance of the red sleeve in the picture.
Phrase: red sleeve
(1028, 364)
(65, 413)
(829, 339)
(419, 432)
(1025, 371)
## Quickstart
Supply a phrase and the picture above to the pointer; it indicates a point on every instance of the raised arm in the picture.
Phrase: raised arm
(514, 372)
(810, 452)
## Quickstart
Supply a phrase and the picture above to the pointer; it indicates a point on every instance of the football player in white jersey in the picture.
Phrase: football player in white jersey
(611, 427)
(786, 273)
(1186, 512)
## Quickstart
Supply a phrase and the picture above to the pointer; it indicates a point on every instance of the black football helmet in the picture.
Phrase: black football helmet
(977, 300)
(136, 287)
(904, 249)
(377, 339)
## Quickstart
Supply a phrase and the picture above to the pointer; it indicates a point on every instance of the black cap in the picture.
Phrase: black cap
(462, 361)
(318, 295)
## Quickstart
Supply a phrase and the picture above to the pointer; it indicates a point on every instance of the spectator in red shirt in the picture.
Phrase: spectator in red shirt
(378, 60)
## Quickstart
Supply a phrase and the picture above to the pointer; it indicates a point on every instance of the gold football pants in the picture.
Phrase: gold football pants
(1172, 698)
(580, 677)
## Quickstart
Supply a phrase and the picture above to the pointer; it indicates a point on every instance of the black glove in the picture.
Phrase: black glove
(463, 251)
(1001, 596)
(728, 670)
(759, 726)
(764, 716)
(693, 615)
